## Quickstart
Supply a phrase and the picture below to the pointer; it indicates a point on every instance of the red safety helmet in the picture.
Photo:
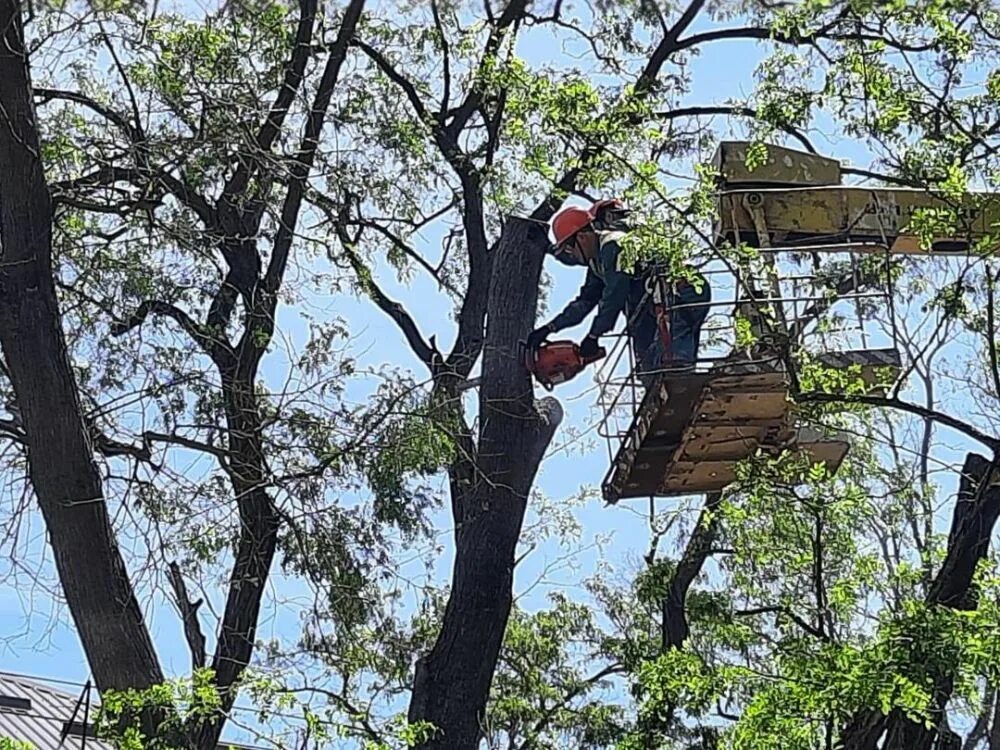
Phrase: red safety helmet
(569, 221)
(573, 219)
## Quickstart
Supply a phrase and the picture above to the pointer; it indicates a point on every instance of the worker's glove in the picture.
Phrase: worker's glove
(536, 337)
(589, 347)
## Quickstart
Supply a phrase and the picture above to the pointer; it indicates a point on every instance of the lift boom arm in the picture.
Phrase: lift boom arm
(804, 205)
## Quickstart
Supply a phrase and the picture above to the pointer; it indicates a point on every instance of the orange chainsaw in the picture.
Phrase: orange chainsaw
(555, 362)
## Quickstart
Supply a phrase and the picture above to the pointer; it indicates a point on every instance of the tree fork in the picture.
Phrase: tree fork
(452, 682)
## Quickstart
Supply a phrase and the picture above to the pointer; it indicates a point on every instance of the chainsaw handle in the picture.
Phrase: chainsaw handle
(601, 354)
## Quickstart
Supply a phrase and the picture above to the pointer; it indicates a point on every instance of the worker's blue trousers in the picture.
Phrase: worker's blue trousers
(688, 309)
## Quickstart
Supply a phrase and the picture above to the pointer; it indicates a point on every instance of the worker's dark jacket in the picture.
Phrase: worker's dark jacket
(606, 287)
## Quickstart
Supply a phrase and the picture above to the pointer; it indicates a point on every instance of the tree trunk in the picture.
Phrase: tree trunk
(258, 539)
(63, 474)
(452, 682)
(975, 515)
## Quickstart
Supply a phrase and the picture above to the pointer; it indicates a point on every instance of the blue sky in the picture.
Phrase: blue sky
(39, 639)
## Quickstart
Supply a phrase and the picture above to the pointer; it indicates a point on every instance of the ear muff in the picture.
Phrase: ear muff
(610, 214)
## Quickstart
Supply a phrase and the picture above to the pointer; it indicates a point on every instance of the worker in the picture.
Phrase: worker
(591, 237)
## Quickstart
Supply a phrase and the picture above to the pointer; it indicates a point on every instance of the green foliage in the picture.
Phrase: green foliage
(417, 443)
(550, 687)
(175, 708)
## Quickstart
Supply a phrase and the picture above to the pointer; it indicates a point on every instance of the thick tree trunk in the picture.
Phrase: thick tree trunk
(453, 681)
(976, 513)
(62, 470)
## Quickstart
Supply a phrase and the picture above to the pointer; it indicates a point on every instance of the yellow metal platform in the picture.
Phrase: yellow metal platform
(692, 429)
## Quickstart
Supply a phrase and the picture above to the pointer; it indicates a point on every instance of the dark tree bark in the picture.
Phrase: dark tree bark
(675, 628)
(60, 457)
(453, 681)
(975, 515)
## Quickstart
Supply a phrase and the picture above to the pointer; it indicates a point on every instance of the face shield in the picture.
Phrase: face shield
(613, 217)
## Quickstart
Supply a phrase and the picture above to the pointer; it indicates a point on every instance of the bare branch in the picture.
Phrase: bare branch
(446, 57)
(46, 95)
(468, 343)
(787, 613)
(390, 71)
(892, 179)
(734, 110)
(404, 248)
(767, 34)
(991, 341)
(196, 445)
(109, 448)
(895, 403)
(189, 613)
(11, 428)
(211, 343)
(847, 284)
(675, 628)
(138, 134)
(140, 178)
(427, 354)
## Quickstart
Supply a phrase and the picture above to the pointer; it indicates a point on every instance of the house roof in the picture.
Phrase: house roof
(38, 713)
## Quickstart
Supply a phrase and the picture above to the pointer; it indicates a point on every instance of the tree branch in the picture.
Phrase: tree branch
(196, 445)
(307, 151)
(767, 34)
(667, 46)
(211, 343)
(46, 95)
(140, 178)
(895, 403)
(847, 284)
(734, 110)
(271, 126)
(901, 181)
(578, 688)
(446, 58)
(468, 343)
(383, 64)
(511, 14)
(104, 445)
(425, 353)
(12, 429)
(189, 614)
(787, 613)
(409, 252)
(675, 628)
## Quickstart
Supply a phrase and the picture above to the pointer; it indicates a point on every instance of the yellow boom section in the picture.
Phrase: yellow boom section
(795, 197)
